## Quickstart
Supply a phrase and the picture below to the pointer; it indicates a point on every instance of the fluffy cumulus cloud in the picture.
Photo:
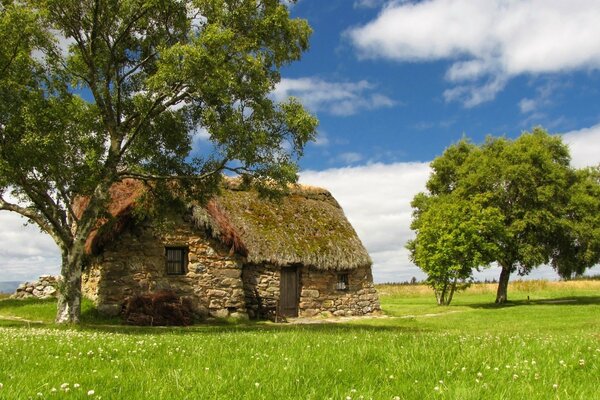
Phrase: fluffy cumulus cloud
(337, 98)
(488, 42)
(584, 145)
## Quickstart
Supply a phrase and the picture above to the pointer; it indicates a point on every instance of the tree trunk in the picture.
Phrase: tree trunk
(452, 290)
(69, 296)
(502, 293)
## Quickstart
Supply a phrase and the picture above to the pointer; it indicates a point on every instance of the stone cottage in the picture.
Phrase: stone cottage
(239, 255)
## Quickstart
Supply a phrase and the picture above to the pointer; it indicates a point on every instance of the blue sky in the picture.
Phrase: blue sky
(393, 83)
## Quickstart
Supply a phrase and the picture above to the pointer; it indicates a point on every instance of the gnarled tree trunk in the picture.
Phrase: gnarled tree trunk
(502, 293)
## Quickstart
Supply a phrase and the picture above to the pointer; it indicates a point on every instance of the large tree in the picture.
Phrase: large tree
(548, 210)
(96, 91)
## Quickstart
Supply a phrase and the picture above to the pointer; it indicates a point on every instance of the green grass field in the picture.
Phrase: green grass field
(547, 347)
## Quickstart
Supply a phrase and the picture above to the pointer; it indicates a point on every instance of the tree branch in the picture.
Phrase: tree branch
(33, 216)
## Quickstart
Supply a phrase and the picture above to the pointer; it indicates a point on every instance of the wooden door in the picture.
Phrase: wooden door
(289, 292)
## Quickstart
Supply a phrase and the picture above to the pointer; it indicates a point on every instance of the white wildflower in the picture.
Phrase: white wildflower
(555, 386)
(91, 392)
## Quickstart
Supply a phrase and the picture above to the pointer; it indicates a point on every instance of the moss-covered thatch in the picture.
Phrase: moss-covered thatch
(306, 227)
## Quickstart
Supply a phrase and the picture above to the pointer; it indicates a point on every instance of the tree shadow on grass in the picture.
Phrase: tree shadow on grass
(217, 327)
(249, 327)
(558, 301)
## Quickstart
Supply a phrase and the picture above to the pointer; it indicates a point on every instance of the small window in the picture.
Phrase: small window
(176, 260)
(342, 282)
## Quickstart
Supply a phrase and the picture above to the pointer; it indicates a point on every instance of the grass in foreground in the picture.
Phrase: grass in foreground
(469, 351)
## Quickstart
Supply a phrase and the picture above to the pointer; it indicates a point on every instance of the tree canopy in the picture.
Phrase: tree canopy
(455, 236)
(93, 92)
(544, 211)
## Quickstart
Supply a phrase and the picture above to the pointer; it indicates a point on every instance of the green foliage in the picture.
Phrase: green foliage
(515, 202)
(454, 236)
(578, 246)
(93, 92)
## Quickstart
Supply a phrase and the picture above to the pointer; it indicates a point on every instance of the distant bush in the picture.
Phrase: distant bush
(162, 308)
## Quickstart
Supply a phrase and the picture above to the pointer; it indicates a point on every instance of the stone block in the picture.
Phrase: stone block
(215, 304)
(229, 272)
(220, 313)
(231, 282)
(311, 312)
(216, 293)
(339, 313)
(49, 291)
(310, 293)
(328, 304)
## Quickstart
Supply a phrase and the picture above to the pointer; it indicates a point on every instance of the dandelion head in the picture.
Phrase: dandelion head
(555, 386)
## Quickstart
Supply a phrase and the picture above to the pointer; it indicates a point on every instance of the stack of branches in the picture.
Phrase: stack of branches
(162, 308)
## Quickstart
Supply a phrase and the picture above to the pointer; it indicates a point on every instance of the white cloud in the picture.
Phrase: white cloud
(585, 146)
(543, 97)
(527, 105)
(486, 41)
(26, 253)
(337, 98)
(376, 198)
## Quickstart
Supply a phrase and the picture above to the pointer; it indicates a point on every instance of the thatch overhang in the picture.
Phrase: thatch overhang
(123, 197)
(307, 227)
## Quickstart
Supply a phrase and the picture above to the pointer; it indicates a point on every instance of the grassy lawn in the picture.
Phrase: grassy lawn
(547, 347)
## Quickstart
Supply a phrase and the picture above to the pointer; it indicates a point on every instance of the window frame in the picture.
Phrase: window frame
(182, 264)
(343, 282)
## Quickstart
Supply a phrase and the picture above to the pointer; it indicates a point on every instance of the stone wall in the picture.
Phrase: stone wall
(135, 264)
(319, 295)
(44, 288)
(261, 288)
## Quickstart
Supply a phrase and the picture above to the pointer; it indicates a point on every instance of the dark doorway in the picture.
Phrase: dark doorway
(289, 292)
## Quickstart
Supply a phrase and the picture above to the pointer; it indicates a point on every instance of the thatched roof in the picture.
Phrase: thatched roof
(306, 227)
(122, 200)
